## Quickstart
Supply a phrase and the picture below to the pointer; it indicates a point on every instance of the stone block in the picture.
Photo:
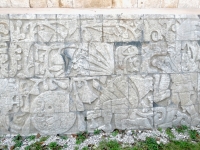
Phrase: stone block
(91, 29)
(122, 30)
(97, 3)
(187, 29)
(188, 4)
(160, 57)
(5, 4)
(149, 3)
(127, 57)
(53, 3)
(169, 3)
(189, 51)
(38, 3)
(66, 3)
(101, 59)
(71, 28)
(78, 3)
(20, 3)
(140, 92)
(23, 30)
(124, 4)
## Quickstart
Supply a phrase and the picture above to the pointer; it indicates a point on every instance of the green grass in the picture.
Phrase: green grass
(35, 146)
(54, 146)
(109, 145)
(44, 138)
(32, 137)
(149, 144)
(81, 137)
(194, 135)
(97, 132)
(169, 133)
(115, 133)
(181, 129)
(18, 141)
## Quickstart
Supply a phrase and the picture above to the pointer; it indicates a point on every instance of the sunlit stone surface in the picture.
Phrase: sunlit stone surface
(71, 73)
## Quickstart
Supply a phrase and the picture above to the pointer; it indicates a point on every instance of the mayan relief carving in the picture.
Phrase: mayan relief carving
(64, 74)
(4, 60)
(190, 56)
(159, 30)
(101, 59)
(91, 29)
(127, 58)
(122, 30)
(160, 57)
(23, 30)
(71, 26)
(187, 29)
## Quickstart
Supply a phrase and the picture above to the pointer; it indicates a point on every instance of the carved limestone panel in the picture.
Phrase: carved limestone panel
(122, 30)
(91, 28)
(127, 57)
(141, 92)
(4, 28)
(159, 30)
(162, 92)
(21, 60)
(47, 28)
(187, 29)
(112, 103)
(170, 116)
(190, 55)
(4, 60)
(101, 59)
(47, 103)
(160, 57)
(23, 30)
(68, 28)
(60, 60)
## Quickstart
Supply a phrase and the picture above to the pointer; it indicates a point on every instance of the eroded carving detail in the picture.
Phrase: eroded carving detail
(122, 30)
(127, 59)
(160, 57)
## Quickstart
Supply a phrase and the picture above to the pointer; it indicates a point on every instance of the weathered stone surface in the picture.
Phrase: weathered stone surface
(169, 4)
(91, 29)
(66, 3)
(53, 3)
(187, 29)
(127, 57)
(149, 3)
(122, 30)
(20, 3)
(97, 3)
(188, 4)
(38, 4)
(64, 74)
(124, 4)
(5, 3)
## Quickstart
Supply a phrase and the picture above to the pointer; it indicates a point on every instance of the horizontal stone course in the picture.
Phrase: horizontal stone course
(100, 3)
(71, 73)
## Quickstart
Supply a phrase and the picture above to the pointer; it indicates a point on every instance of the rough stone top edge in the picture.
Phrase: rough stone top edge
(98, 11)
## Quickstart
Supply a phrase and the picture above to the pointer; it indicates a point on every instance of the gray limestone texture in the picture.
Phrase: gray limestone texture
(62, 74)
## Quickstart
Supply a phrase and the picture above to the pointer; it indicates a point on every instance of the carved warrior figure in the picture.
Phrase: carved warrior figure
(112, 102)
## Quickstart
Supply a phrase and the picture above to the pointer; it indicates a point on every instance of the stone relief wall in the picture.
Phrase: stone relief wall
(101, 3)
(72, 73)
